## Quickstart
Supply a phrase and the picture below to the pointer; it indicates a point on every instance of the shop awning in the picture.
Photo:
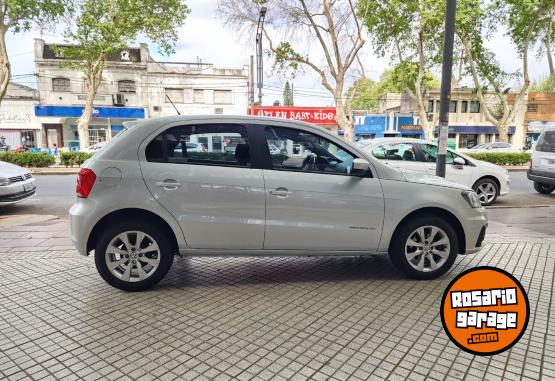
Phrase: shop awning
(98, 112)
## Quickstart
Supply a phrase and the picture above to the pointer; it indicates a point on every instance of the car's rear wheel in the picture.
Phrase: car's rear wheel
(133, 256)
(424, 247)
(543, 188)
(487, 191)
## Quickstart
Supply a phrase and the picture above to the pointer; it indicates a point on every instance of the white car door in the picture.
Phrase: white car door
(457, 173)
(215, 195)
(399, 155)
(316, 204)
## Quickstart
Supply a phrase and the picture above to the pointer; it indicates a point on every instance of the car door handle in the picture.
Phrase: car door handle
(280, 192)
(168, 184)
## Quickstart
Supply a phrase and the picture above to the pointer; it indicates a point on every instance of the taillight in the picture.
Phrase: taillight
(85, 182)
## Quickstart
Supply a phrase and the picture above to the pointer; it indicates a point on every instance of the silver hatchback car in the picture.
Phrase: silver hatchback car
(146, 197)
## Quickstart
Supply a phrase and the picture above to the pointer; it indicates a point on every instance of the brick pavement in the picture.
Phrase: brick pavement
(259, 319)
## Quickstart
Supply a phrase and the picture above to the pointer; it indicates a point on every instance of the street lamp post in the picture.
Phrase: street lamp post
(445, 95)
(259, 63)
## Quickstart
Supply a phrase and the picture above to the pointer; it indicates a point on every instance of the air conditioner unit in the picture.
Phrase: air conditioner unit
(156, 108)
(118, 99)
(219, 110)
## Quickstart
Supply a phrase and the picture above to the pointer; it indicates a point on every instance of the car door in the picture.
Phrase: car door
(312, 200)
(461, 174)
(215, 194)
(399, 155)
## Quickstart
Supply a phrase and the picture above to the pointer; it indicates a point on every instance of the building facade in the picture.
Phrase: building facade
(540, 114)
(18, 124)
(133, 86)
(468, 125)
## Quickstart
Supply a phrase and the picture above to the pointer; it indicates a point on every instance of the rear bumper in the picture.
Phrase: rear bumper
(542, 177)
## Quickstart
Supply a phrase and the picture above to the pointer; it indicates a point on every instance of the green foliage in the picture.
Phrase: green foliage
(74, 158)
(28, 159)
(21, 15)
(397, 80)
(544, 85)
(288, 95)
(104, 26)
(501, 158)
(286, 58)
(366, 95)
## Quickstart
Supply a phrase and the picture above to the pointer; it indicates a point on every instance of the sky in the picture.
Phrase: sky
(205, 37)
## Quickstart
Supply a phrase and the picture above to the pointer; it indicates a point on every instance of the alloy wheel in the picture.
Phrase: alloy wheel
(132, 256)
(427, 248)
(486, 192)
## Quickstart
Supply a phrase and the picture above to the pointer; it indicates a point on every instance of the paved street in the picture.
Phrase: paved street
(256, 318)
(246, 318)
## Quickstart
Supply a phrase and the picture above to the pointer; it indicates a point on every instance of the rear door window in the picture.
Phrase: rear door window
(224, 145)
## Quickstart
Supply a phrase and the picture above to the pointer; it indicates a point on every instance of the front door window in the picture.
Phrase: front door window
(296, 150)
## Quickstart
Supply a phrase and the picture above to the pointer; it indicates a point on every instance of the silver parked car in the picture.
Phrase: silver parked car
(542, 163)
(142, 199)
(16, 184)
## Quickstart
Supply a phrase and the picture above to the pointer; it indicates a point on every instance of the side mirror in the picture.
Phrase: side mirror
(360, 167)
(459, 161)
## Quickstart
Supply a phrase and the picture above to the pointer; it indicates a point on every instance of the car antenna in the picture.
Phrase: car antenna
(176, 110)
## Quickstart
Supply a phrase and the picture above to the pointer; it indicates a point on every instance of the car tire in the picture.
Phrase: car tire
(129, 265)
(487, 191)
(408, 240)
(543, 188)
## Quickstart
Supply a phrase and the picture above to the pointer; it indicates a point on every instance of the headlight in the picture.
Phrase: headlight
(472, 198)
(4, 181)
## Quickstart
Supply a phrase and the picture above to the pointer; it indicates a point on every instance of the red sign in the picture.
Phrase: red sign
(316, 115)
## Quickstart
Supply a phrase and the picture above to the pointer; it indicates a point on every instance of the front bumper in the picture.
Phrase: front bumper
(17, 192)
(475, 226)
(542, 177)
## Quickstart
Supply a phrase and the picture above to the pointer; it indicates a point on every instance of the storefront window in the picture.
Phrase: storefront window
(468, 140)
(29, 138)
(97, 135)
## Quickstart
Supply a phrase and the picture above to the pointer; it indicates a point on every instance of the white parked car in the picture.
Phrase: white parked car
(494, 147)
(140, 202)
(95, 147)
(16, 184)
(488, 180)
(542, 163)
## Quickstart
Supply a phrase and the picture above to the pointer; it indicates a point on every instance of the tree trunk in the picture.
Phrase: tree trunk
(4, 63)
(549, 51)
(94, 76)
(344, 121)
(503, 129)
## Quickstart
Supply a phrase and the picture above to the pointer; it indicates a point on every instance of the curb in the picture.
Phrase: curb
(54, 171)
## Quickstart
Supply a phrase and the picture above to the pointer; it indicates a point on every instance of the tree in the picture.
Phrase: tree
(19, 16)
(288, 95)
(330, 26)
(475, 23)
(104, 27)
(411, 31)
(543, 85)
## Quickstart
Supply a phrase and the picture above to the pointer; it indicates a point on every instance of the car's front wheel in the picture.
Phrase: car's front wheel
(487, 191)
(133, 256)
(424, 247)
(543, 188)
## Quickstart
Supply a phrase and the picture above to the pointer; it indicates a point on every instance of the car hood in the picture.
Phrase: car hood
(10, 170)
(420, 178)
